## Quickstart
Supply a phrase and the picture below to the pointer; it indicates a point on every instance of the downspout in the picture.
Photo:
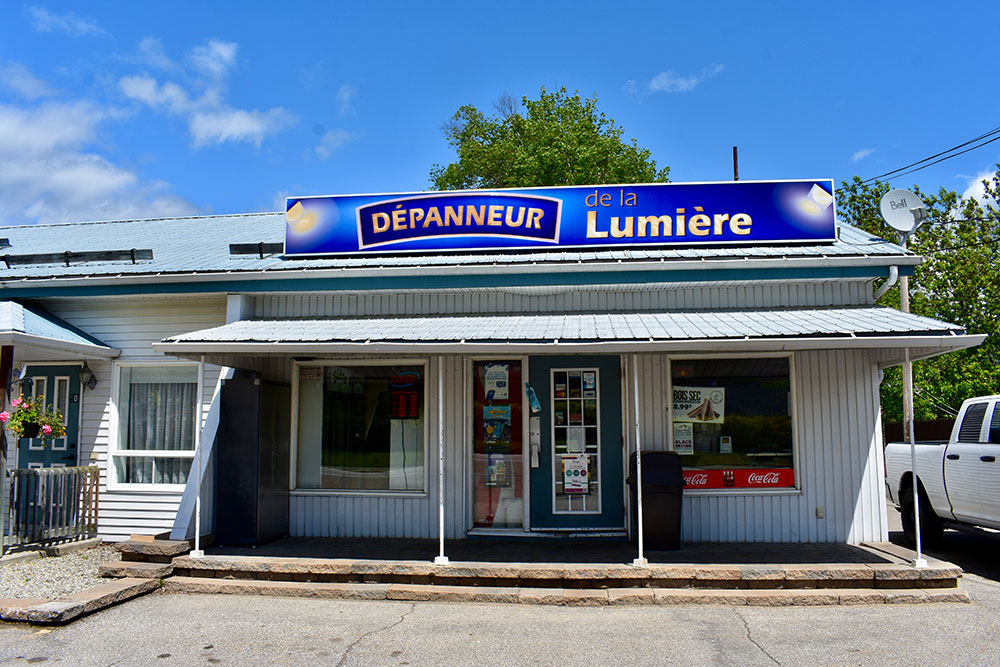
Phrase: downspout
(887, 285)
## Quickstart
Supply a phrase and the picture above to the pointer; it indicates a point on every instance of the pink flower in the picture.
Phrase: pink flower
(16, 402)
(46, 429)
(4, 416)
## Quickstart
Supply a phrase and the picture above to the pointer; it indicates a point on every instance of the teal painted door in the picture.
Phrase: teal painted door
(60, 385)
(579, 481)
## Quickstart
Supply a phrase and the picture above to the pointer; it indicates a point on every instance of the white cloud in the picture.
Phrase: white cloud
(333, 141)
(210, 119)
(214, 58)
(223, 124)
(48, 173)
(345, 99)
(22, 81)
(672, 82)
(151, 53)
(976, 190)
(861, 154)
(70, 23)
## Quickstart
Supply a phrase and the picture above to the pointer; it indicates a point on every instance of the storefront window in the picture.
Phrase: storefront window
(732, 422)
(361, 428)
(497, 445)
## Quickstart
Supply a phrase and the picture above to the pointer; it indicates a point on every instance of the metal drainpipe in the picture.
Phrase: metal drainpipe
(887, 285)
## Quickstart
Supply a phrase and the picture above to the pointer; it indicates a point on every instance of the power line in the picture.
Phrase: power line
(960, 247)
(943, 155)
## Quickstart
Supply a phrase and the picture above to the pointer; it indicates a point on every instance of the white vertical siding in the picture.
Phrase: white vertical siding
(132, 325)
(394, 516)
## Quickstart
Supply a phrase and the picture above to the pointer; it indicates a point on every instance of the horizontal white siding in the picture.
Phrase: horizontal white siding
(763, 295)
(389, 516)
(131, 325)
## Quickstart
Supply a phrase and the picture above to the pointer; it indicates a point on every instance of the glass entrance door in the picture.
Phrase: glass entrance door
(497, 443)
(578, 482)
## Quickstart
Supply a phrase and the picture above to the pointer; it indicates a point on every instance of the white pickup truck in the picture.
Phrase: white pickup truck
(958, 481)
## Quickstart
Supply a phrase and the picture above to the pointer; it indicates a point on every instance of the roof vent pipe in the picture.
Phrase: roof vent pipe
(887, 285)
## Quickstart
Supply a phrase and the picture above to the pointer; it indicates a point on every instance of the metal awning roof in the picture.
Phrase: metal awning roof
(39, 336)
(674, 331)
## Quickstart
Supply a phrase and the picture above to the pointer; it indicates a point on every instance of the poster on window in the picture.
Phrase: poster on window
(497, 382)
(497, 469)
(684, 437)
(590, 384)
(700, 405)
(496, 424)
(576, 473)
(576, 440)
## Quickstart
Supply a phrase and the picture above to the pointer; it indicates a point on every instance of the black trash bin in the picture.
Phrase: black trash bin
(662, 493)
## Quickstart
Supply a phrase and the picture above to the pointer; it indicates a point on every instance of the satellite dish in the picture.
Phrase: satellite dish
(903, 210)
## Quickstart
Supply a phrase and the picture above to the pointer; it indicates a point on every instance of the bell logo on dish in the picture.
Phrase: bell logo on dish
(766, 478)
(700, 479)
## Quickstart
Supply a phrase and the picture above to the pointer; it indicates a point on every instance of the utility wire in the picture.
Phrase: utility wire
(943, 155)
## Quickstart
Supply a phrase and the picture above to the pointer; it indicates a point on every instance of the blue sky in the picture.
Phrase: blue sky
(113, 110)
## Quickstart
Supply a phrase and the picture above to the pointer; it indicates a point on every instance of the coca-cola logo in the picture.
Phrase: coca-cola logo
(766, 478)
(700, 479)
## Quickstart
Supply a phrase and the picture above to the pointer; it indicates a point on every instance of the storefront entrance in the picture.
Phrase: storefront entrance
(577, 479)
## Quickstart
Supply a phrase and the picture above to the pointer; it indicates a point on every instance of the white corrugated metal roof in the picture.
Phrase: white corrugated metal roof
(200, 246)
(775, 329)
(35, 332)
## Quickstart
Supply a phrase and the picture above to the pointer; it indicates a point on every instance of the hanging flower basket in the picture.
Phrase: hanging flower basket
(33, 419)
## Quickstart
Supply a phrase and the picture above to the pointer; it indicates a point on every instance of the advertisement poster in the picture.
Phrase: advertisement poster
(497, 469)
(576, 470)
(590, 384)
(575, 440)
(684, 438)
(496, 424)
(701, 405)
(497, 387)
(747, 478)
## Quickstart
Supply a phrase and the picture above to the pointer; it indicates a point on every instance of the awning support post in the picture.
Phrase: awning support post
(640, 561)
(919, 561)
(198, 552)
(441, 559)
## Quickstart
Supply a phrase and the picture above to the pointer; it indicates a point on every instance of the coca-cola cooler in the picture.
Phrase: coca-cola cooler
(662, 495)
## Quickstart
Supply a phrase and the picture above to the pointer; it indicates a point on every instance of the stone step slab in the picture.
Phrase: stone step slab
(156, 551)
(70, 607)
(135, 569)
(564, 596)
(582, 576)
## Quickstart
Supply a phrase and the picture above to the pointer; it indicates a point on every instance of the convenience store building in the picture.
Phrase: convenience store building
(482, 363)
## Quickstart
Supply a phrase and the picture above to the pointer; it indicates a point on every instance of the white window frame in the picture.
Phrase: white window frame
(114, 450)
(793, 389)
(294, 449)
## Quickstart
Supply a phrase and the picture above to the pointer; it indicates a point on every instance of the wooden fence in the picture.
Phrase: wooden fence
(50, 505)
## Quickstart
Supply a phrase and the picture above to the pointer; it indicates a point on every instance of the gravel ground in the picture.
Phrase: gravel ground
(48, 578)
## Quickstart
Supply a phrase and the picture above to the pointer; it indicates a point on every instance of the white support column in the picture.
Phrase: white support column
(198, 552)
(919, 561)
(640, 561)
(441, 559)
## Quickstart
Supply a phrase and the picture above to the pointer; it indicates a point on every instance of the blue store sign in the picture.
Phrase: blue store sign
(669, 214)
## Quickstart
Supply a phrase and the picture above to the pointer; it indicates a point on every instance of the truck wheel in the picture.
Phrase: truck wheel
(931, 530)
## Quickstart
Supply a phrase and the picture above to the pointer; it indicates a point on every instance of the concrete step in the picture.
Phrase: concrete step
(562, 596)
(69, 607)
(571, 576)
(157, 551)
(135, 569)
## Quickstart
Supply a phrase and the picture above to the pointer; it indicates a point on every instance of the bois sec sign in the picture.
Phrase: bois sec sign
(668, 214)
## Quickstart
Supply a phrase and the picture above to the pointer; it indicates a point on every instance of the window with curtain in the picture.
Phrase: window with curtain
(157, 416)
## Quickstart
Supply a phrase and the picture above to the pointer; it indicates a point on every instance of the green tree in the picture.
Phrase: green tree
(558, 139)
(958, 282)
